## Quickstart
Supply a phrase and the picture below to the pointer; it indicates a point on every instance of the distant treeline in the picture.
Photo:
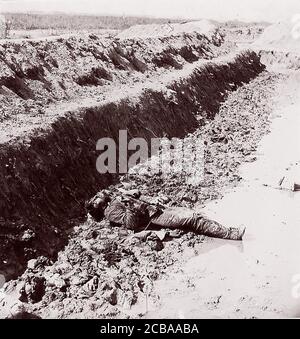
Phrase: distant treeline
(20, 21)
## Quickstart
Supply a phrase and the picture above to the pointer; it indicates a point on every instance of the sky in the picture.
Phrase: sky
(245, 10)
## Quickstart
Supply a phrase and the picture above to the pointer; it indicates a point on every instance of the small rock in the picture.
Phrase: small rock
(32, 264)
(28, 235)
(33, 290)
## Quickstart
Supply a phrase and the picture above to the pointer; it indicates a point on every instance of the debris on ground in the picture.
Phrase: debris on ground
(106, 271)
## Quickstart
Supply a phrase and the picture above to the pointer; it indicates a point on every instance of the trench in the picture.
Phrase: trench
(47, 178)
(265, 285)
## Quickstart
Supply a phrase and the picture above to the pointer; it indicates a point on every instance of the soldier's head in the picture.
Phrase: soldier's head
(97, 205)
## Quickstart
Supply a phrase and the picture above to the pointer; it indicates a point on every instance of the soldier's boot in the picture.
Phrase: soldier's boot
(236, 233)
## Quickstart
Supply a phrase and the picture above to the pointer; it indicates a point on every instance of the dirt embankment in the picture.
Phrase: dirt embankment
(48, 160)
(288, 60)
(36, 74)
(46, 178)
(243, 34)
(104, 272)
(279, 45)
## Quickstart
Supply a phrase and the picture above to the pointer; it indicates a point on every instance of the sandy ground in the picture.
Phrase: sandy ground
(257, 278)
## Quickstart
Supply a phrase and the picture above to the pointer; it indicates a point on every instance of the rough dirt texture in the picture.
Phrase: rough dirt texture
(36, 74)
(53, 172)
(104, 272)
(243, 33)
(258, 278)
(58, 97)
(281, 59)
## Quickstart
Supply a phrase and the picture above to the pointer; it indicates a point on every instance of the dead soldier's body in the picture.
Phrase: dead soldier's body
(127, 210)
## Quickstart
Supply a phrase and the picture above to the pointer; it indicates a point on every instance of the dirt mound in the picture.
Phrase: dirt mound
(203, 27)
(37, 74)
(280, 37)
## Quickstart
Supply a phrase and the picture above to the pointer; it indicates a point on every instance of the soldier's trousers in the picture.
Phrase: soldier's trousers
(189, 220)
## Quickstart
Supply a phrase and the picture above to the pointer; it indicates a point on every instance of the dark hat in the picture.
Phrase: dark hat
(97, 205)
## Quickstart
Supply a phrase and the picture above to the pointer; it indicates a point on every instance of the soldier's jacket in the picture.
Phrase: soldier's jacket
(133, 215)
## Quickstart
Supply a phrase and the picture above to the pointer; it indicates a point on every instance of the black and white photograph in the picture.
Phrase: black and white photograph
(149, 162)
